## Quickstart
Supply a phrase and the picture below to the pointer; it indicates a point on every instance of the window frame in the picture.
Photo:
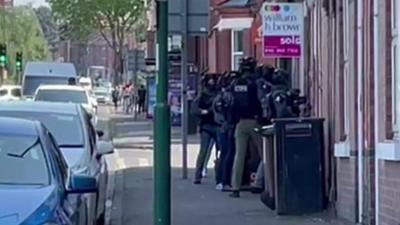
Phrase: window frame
(236, 53)
(395, 53)
(346, 66)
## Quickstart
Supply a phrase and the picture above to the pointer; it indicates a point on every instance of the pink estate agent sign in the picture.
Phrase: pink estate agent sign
(283, 30)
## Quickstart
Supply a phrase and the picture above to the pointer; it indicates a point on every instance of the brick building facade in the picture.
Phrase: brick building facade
(6, 3)
(352, 76)
(353, 81)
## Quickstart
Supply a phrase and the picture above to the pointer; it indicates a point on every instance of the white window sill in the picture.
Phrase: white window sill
(342, 149)
(388, 151)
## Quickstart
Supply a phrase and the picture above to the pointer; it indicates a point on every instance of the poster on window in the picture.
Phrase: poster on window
(151, 98)
(174, 96)
(283, 30)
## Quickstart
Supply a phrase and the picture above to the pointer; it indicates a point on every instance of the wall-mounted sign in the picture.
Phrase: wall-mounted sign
(283, 29)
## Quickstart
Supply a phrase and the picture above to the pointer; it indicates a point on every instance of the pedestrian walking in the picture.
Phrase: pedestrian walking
(115, 97)
(202, 107)
(141, 98)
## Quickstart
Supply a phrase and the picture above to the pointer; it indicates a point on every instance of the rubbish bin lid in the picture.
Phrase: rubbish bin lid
(298, 119)
(265, 130)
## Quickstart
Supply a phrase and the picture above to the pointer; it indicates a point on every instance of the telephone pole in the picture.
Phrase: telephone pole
(162, 127)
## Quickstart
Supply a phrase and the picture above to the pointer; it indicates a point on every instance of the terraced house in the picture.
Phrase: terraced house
(350, 70)
(351, 73)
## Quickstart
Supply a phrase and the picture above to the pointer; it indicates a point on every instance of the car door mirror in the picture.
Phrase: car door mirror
(80, 184)
(100, 133)
(104, 148)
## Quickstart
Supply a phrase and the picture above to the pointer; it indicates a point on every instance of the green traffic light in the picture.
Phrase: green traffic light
(3, 58)
(18, 63)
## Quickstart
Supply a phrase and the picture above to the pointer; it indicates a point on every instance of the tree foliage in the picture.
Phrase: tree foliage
(113, 20)
(21, 31)
(48, 25)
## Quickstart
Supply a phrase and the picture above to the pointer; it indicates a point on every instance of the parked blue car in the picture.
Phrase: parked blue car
(36, 188)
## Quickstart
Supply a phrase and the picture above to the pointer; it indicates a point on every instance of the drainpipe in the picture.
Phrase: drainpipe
(376, 96)
(360, 107)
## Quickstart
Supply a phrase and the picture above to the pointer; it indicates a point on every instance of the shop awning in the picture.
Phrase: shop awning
(234, 23)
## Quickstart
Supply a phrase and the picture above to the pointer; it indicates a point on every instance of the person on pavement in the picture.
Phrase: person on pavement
(142, 98)
(247, 108)
(222, 107)
(115, 97)
(202, 107)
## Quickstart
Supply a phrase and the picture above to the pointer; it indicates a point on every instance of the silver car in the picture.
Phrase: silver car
(78, 140)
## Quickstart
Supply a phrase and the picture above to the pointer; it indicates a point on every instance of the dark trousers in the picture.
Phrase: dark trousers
(244, 133)
(141, 106)
(207, 134)
(227, 143)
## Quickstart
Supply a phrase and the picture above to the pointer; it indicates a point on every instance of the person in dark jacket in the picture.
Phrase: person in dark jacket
(202, 107)
(141, 98)
(247, 108)
(223, 109)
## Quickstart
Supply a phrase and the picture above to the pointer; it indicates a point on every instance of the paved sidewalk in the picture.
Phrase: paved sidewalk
(200, 205)
(191, 204)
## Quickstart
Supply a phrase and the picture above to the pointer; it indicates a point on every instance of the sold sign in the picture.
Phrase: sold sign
(283, 29)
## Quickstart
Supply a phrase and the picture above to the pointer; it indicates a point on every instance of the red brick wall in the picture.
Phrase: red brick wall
(346, 188)
(224, 59)
(212, 53)
(389, 172)
(389, 193)
(326, 66)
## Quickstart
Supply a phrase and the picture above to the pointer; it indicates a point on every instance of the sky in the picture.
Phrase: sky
(35, 3)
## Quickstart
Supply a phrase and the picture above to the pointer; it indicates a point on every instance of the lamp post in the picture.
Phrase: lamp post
(162, 127)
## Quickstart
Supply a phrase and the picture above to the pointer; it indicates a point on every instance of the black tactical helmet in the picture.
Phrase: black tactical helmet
(280, 77)
(248, 64)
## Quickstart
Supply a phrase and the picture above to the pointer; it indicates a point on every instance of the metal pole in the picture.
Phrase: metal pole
(135, 81)
(162, 128)
(69, 51)
(184, 79)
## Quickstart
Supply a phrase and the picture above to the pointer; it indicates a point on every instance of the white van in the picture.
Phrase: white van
(41, 73)
(86, 83)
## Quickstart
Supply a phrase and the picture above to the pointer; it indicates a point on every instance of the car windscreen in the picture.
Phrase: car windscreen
(31, 83)
(16, 92)
(66, 128)
(100, 93)
(72, 96)
(3, 92)
(22, 161)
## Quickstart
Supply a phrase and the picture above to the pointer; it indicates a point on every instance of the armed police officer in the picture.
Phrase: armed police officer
(247, 110)
(202, 107)
(224, 117)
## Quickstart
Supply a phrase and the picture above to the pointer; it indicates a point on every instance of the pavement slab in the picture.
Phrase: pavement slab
(132, 188)
(201, 204)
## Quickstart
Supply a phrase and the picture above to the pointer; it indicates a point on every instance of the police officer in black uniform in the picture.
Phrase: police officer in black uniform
(247, 108)
(202, 107)
(223, 109)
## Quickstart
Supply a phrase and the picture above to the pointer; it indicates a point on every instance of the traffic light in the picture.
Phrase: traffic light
(18, 62)
(3, 55)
